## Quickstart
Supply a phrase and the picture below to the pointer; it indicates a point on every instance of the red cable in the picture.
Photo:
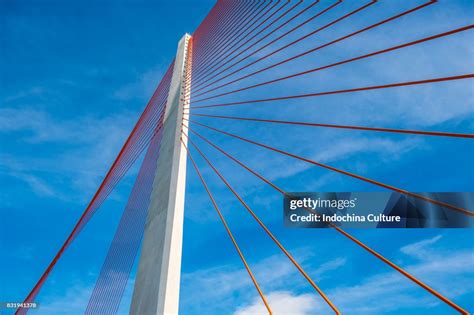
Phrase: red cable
(365, 179)
(352, 238)
(218, 27)
(126, 161)
(229, 28)
(78, 225)
(268, 34)
(231, 31)
(218, 57)
(280, 26)
(309, 124)
(225, 11)
(234, 242)
(239, 35)
(293, 42)
(127, 228)
(379, 52)
(267, 231)
(208, 19)
(327, 44)
(263, 29)
(374, 87)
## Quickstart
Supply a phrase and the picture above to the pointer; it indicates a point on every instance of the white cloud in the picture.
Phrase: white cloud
(74, 300)
(385, 148)
(419, 249)
(84, 148)
(142, 87)
(275, 273)
(37, 185)
(40, 127)
(282, 302)
(329, 266)
(447, 271)
(331, 152)
(34, 91)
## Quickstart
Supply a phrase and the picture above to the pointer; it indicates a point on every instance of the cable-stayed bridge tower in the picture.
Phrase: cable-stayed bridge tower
(245, 54)
(157, 283)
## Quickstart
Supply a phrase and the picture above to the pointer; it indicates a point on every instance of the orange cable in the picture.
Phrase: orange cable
(349, 236)
(290, 257)
(228, 230)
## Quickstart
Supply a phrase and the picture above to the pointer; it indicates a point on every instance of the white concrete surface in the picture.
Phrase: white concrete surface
(157, 283)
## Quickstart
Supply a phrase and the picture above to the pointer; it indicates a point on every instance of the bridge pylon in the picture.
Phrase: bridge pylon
(157, 282)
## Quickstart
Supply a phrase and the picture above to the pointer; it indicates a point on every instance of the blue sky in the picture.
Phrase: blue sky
(75, 77)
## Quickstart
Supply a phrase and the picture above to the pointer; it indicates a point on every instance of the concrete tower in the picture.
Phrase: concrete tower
(157, 283)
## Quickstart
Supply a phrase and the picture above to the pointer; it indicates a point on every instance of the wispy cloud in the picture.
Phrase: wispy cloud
(38, 126)
(282, 302)
(82, 149)
(75, 299)
(342, 150)
(420, 249)
(37, 185)
(331, 265)
(273, 273)
(142, 87)
(448, 269)
(34, 91)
